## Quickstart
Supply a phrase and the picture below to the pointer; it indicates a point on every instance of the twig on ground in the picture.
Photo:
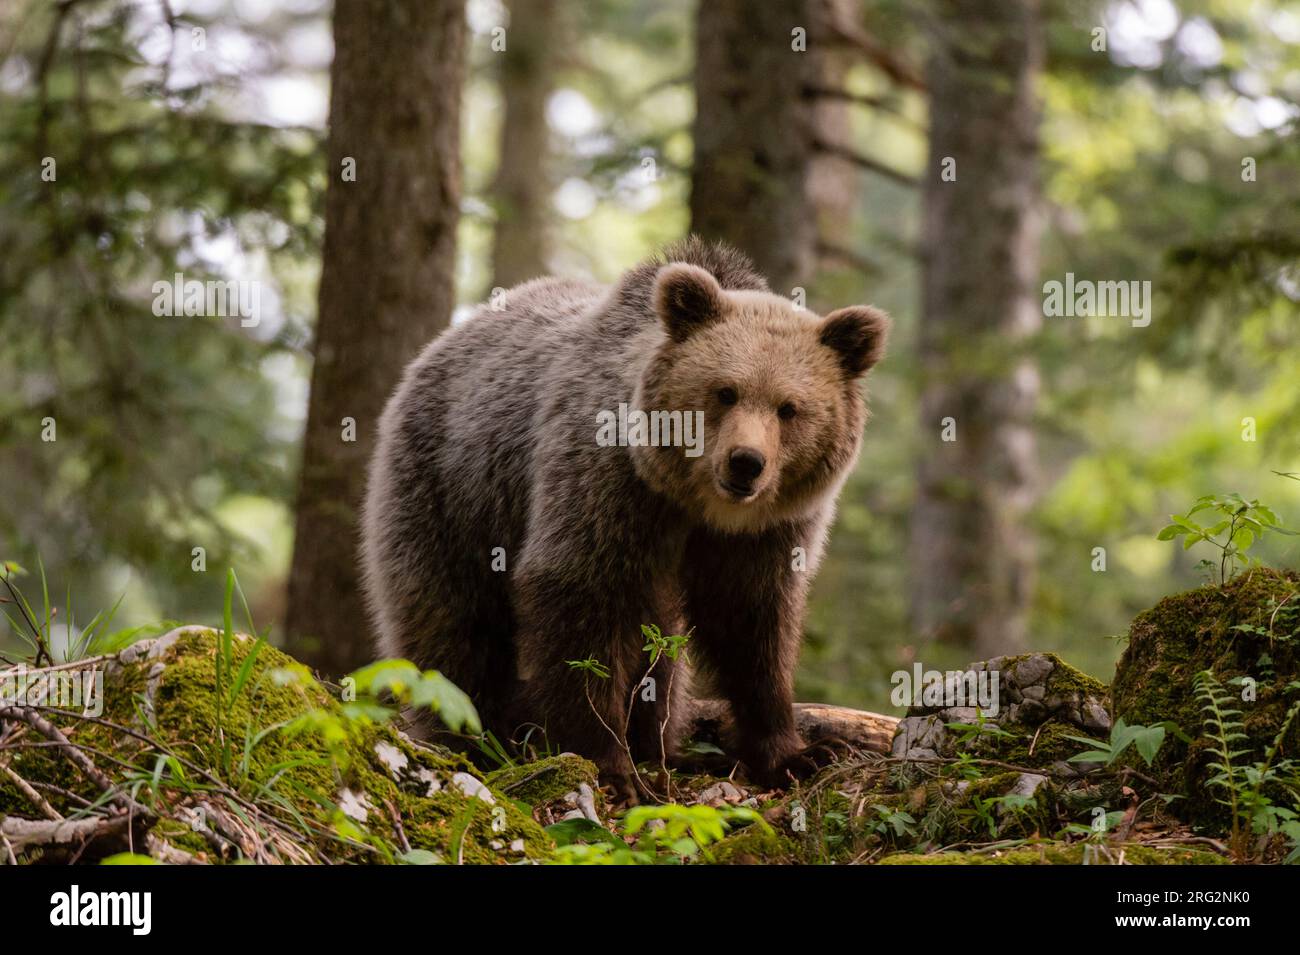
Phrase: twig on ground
(25, 787)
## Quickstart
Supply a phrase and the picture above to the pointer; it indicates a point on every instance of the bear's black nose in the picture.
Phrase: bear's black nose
(746, 464)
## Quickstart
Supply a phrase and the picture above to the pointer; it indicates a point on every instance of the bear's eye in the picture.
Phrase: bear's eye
(786, 411)
(727, 396)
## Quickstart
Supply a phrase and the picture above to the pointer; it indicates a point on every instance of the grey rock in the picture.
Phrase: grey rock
(1033, 670)
(960, 714)
(720, 792)
(919, 732)
(472, 787)
(1095, 716)
(1026, 784)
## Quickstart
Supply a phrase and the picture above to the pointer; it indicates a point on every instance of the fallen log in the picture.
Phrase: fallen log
(69, 840)
(873, 732)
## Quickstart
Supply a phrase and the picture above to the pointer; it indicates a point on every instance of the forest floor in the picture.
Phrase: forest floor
(209, 746)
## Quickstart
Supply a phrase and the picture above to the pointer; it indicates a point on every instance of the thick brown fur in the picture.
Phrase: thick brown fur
(490, 442)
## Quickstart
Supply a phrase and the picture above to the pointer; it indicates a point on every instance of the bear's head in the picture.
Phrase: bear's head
(778, 388)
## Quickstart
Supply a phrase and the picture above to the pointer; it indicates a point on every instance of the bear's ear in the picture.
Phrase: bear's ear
(857, 335)
(687, 298)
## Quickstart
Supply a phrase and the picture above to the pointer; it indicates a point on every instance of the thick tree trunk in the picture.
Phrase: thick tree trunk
(386, 284)
(833, 181)
(522, 188)
(752, 130)
(971, 553)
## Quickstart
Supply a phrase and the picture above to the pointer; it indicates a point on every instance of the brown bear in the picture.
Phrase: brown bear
(512, 528)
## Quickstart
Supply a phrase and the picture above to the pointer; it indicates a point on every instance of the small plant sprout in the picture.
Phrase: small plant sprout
(1236, 525)
(657, 646)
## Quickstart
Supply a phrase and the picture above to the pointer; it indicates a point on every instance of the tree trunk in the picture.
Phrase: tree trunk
(752, 131)
(833, 181)
(386, 285)
(970, 551)
(521, 190)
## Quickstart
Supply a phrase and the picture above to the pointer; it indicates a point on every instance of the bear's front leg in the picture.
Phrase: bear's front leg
(745, 598)
(586, 708)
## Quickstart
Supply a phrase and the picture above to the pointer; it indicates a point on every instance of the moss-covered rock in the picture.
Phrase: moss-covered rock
(754, 845)
(1247, 634)
(255, 759)
(1058, 853)
(545, 780)
(1041, 701)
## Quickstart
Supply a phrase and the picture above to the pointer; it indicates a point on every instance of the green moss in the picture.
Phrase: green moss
(1039, 749)
(1063, 679)
(1066, 679)
(545, 780)
(253, 747)
(1055, 853)
(1188, 633)
(754, 845)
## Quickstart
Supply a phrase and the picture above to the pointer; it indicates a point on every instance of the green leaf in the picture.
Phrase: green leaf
(246, 669)
(1091, 756)
(129, 858)
(572, 831)
(448, 700)
(703, 748)
(1243, 539)
(1149, 741)
(421, 857)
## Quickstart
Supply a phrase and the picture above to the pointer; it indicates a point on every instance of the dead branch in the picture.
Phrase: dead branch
(109, 833)
(25, 787)
(873, 732)
(74, 755)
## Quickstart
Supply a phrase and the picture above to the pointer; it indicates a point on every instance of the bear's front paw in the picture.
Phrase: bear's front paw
(806, 762)
(626, 789)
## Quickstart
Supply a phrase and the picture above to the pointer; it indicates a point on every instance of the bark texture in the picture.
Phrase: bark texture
(386, 285)
(753, 135)
(522, 188)
(971, 553)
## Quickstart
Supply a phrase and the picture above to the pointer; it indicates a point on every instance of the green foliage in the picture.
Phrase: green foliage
(658, 645)
(892, 823)
(1236, 525)
(128, 858)
(1147, 740)
(36, 629)
(591, 665)
(160, 421)
(969, 733)
(231, 682)
(410, 686)
(668, 834)
(1250, 789)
